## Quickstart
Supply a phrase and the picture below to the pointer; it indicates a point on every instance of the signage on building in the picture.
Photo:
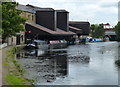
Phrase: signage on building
(17, 33)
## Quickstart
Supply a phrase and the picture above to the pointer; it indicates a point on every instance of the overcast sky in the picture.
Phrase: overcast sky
(94, 11)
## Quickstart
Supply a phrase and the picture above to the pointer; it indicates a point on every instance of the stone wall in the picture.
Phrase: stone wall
(29, 16)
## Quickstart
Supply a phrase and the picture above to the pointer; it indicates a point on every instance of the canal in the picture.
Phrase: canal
(90, 64)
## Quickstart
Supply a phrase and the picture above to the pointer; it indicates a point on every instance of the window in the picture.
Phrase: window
(12, 39)
(32, 17)
(22, 38)
(29, 16)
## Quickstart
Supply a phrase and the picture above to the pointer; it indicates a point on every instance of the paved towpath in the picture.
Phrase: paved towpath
(3, 68)
(0, 67)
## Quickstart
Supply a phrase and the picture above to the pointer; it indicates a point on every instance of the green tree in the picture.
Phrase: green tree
(12, 22)
(117, 30)
(1, 31)
(97, 31)
(93, 26)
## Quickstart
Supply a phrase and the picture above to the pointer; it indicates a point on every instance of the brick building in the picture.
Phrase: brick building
(48, 24)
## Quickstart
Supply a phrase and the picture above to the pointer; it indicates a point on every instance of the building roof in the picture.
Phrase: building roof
(57, 32)
(61, 10)
(32, 9)
(75, 28)
(26, 8)
(83, 25)
(78, 22)
(64, 32)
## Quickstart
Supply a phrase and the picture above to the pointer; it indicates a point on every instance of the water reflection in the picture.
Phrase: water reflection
(45, 66)
(119, 59)
(91, 64)
(31, 53)
(79, 54)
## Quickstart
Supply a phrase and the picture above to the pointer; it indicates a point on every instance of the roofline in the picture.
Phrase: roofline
(75, 28)
(50, 31)
(35, 8)
(32, 9)
(45, 10)
(62, 10)
(78, 22)
(32, 6)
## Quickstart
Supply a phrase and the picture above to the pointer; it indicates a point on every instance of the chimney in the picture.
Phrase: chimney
(62, 19)
(46, 18)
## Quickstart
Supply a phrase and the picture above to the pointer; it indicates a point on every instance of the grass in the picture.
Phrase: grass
(15, 72)
(14, 80)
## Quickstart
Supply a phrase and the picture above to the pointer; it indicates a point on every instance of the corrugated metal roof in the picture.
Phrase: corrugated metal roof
(57, 32)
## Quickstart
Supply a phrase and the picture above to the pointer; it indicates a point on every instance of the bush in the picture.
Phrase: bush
(117, 62)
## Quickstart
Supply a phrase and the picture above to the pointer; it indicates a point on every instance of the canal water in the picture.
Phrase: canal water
(90, 64)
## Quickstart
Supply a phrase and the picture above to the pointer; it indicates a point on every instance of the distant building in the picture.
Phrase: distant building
(80, 28)
(109, 31)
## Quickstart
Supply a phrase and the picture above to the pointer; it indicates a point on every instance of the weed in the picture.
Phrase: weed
(15, 74)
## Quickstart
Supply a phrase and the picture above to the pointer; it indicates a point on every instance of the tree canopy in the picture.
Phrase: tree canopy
(117, 30)
(12, 22)
(97, 30)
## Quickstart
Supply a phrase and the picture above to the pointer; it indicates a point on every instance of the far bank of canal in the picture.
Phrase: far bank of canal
(90, 64)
